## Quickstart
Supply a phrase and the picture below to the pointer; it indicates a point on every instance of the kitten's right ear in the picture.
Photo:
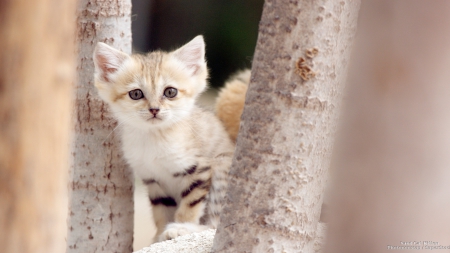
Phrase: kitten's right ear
(107, 61)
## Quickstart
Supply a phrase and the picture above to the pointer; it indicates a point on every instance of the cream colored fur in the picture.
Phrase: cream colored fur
(181, 136)
(230, 102)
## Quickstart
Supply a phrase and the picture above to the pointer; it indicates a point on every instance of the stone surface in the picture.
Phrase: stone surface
(202, 243)
(195, 242)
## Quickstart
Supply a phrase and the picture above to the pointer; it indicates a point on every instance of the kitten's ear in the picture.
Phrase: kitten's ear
(107, 61)
(192, 55)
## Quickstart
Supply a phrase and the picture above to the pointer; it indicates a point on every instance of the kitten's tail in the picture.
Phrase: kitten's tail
(230, 102)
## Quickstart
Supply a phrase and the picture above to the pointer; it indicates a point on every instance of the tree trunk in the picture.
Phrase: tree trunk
(392, 175)
(283, 148)
(101, 204)
(36, 72)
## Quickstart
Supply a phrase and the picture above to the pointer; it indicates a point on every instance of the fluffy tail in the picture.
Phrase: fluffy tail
(230, 102)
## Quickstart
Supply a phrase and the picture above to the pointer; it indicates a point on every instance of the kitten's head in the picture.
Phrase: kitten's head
(153, 90)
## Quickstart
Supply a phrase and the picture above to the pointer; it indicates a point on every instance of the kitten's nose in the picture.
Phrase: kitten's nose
(154, 111)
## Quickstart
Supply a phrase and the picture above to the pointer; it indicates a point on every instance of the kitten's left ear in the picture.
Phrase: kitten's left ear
(192, 55)
(107, 61)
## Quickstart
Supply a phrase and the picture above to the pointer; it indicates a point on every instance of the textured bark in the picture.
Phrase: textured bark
(36, 72)
(391, 176)
(283, 148)
(101, 184)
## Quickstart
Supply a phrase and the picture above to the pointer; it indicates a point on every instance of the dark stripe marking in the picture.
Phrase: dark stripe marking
(166, 201)
(149, 181)
(191, 187)
(195, 202)
(201, 170)
(189, 171)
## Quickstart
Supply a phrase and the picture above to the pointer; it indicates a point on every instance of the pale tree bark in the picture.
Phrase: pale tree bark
(279, 169)
(101, 204)
(391, 175)
(36, 72)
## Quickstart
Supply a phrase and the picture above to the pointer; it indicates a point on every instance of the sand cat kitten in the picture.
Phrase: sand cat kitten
(181, 152)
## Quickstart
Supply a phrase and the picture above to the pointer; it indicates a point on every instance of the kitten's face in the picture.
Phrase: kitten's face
(154, 90)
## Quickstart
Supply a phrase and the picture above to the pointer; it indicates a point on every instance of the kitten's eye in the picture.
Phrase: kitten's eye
(136, 94)
(170, 92)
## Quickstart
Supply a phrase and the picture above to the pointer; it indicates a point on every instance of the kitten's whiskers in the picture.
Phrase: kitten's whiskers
(119, 124)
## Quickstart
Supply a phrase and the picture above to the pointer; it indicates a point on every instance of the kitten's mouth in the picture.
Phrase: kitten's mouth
(154, 118)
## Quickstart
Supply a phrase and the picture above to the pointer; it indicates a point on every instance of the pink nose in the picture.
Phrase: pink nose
(154, 111)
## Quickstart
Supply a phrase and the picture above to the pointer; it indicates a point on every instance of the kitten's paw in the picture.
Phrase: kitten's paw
(173, 230)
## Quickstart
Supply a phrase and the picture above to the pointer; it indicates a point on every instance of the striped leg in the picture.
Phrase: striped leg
(163, 206)
(193, 198)
(192, 205)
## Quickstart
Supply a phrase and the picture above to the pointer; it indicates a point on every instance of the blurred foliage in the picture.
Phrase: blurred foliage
(230, 29)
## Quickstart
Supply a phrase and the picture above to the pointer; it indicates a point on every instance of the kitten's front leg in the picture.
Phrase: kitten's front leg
(192, 205)
(162, 215)
(163, 206)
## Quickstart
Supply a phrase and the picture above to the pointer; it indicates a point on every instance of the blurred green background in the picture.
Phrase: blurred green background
(230, 29)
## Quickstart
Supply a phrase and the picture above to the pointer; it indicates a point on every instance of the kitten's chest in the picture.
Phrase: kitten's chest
(157, 157)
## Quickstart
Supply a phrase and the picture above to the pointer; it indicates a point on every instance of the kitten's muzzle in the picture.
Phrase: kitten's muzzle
(154, 111)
